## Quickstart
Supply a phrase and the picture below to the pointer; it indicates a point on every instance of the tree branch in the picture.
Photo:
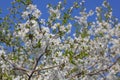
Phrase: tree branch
(47, 68)
(36, 63)
(99, 71)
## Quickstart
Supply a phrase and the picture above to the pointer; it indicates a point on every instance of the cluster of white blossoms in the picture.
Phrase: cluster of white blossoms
(31, 10)
(52, 53)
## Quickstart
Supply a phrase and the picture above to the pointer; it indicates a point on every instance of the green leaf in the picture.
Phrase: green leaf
(70, 54)
(71, 60)
(14, 58)
(61, 33)
(39, 44)
(18, 0)
(72, 71)
(5, 76)
(65, 18)
(76, 5)
(67, 52)
(30, 36)
(3, 56)
(84, 34)
(53, 15)
(28, 2)
(101, 34)
(82, 54)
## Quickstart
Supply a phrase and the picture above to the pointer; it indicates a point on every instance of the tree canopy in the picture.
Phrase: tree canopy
(63, 46)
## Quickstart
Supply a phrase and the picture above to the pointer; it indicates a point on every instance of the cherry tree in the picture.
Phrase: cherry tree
(49, 49)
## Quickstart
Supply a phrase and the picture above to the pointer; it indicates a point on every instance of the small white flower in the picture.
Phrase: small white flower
(31, 7)
(36, 13)
(25, 14)
(55, 12)
(62, 28)
(55, 25)
(2, 52)
(34, 24)
(45, 29)
(17, 78)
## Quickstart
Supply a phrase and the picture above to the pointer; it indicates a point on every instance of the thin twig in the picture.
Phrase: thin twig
(47, 68)
(95, 73)
(15, 67)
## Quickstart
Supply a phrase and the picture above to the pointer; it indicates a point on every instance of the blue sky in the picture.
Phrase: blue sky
(90, 4)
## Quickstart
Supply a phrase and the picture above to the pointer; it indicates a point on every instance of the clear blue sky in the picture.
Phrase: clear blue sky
(90, 4)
